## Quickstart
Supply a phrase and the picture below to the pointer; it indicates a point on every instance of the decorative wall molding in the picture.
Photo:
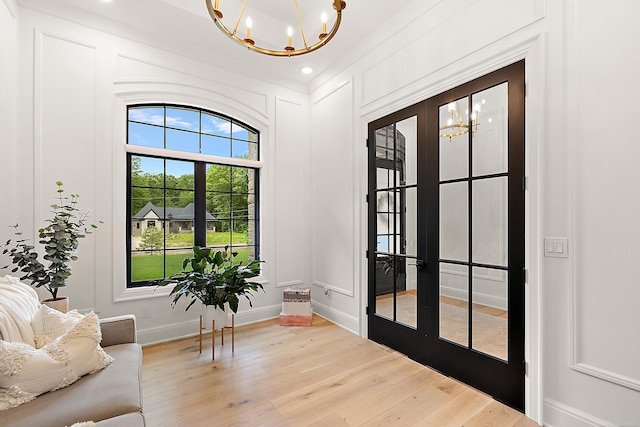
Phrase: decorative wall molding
(558, 414)
(290, 284)
(77, 88)
(11, 7)
(252, 100)
(346, 198)
(407, 74)
(290, 261)
(147, 92)
(328, 287)
(577, 361)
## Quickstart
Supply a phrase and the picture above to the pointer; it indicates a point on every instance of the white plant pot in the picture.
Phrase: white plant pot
(212, 312)
(61, 304)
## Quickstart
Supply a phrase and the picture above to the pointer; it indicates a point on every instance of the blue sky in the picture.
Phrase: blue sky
(212, 135)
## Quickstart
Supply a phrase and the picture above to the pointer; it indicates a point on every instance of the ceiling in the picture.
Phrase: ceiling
(184, 26)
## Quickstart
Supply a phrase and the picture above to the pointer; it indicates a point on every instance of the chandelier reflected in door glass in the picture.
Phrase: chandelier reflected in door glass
(455, 126)
(244, 36)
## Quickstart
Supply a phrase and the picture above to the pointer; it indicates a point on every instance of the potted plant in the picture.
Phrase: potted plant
(212, 278)
(59, 240)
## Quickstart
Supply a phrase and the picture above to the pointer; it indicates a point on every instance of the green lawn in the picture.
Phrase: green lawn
(149, 267)
(217, 238)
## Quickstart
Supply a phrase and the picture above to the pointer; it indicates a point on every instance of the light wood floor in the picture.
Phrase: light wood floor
(305, 376)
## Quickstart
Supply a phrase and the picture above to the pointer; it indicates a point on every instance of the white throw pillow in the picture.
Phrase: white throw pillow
(49, 324)
(26, 372)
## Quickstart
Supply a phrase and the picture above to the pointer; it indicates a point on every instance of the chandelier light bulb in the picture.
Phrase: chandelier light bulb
(452, 106)
(249, 25)
(289, 47)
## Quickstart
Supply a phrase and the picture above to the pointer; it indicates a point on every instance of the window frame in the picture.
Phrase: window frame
(199, 161)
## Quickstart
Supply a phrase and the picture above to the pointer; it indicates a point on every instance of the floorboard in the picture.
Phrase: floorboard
(321, 375)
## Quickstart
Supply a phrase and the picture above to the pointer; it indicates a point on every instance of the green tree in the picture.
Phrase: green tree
(151, 239)
(228, 196)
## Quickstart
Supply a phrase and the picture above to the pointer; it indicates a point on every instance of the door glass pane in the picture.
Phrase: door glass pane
(454, 140)
(407, 150)
(386, 221)
(385, 144)
(406, 299)
(489, 213)
(454, 303)
(410, 223)
(454, 223)
(490, 312)
(385, 276)
(490, 126)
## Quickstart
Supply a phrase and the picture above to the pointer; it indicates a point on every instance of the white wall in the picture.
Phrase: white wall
(580, 64)
(71, 126)
(8, 107)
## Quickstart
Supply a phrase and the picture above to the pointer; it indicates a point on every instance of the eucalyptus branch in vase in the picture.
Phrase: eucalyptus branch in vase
(59, 240)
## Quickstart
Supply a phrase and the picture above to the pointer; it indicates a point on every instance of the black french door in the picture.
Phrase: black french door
(446, 233)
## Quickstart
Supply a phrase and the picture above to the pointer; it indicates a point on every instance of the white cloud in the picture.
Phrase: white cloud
(142, 115)
(219, 126)
(176, 122)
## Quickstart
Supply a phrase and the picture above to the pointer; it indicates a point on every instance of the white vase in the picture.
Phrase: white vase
(61, 304)
(212, 312)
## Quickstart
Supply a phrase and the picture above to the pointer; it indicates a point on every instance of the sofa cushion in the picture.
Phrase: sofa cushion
(26, 372)
(48, 324)
(113, 391)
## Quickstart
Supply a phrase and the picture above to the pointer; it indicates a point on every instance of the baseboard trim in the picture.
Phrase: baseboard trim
(340, 318)
(557, 414)
(187, 329)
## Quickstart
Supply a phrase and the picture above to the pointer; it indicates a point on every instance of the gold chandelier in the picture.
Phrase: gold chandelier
(289, 49)
(455, 126)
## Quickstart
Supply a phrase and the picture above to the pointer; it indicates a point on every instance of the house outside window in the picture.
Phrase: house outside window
(192, 179)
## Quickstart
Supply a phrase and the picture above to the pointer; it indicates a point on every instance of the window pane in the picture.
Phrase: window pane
(240, 205)
(219, 178)
(243, 133)
(145, 135)
(179, 140)
(219, 205)
(183, 119)
(240, 149)
(216, 146)
(239, 232)
(150, 115)
(214, 125)
(146, 265)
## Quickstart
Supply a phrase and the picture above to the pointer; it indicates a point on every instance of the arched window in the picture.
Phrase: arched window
(192, 179)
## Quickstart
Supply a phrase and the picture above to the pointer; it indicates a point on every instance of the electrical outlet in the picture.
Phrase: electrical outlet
(145, 311)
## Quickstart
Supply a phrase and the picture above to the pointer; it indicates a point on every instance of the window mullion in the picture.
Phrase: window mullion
(200, 210)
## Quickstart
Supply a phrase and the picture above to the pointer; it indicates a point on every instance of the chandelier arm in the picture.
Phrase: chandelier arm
(244, 4)
(270, 52)
(304, 39)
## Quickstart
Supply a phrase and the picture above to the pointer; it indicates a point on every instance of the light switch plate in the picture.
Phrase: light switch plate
(557, 247)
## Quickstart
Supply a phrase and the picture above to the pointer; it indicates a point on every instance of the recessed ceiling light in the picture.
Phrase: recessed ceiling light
(306, 70)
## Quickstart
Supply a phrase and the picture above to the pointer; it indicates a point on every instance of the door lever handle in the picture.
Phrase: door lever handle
(419, 264)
